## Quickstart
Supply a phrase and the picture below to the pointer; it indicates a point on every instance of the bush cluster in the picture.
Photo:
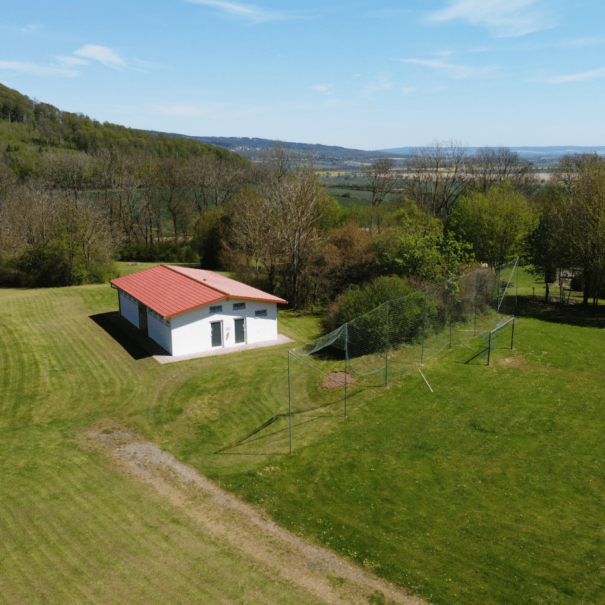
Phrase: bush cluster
(166, 252)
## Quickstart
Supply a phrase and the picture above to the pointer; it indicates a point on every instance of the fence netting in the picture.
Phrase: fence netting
(327, 375)
(395, 338)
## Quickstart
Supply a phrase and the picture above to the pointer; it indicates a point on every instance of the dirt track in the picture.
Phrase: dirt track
(244, 527)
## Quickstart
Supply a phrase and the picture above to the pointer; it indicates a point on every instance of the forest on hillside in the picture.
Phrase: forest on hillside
(76, 195)
(273, 225)
(29, 128)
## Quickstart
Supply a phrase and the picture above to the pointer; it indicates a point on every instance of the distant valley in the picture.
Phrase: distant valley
(335, 157)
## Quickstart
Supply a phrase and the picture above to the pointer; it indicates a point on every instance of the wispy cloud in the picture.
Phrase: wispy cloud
(381, 83)
(68, 65)
(35, 69)
(321, 87)
(583, 42)
(585, 75)
(249, 12)
(455, 71)
(72, 60)
(103, 55)
(503, 18)
(30, 28)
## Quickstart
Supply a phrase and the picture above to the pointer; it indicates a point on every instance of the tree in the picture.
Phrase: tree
(69, 172)
(279, 224)
(436, 177)
(545, 246)
(296, 206)
(494, 223)
(251, 233)
(171, 195)
(345, 257)
(491, 166)
(382, 180)
(581, 216)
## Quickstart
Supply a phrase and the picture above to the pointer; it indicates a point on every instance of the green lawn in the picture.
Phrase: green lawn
(489, 490)
(72, 529)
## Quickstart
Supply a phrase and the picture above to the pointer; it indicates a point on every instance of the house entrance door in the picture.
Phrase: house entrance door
(217, 333)
(240, 331)
(143, 317)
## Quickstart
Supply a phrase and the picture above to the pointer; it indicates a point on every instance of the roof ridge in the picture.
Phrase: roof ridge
(197, 281)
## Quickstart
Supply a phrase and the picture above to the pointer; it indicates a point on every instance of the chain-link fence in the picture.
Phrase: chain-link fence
(389, 342)
(397, 337)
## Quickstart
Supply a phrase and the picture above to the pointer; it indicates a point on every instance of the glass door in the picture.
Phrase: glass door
(217, 333)
(240, 331)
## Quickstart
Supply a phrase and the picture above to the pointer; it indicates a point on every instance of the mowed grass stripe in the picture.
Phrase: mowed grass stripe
(20, 382)
(41, 560)
(74, 531)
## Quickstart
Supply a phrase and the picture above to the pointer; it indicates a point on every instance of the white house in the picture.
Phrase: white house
(189, 311)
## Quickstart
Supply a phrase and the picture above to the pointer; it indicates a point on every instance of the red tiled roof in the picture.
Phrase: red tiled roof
(171, 291)
(228, 286)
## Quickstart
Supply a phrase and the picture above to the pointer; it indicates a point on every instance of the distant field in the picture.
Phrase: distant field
(350, 197)
(489, 491)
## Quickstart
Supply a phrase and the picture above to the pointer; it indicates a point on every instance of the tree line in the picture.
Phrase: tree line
(273, 225)
(31, 128)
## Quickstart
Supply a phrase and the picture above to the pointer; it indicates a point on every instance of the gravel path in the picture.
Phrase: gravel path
(315, 568)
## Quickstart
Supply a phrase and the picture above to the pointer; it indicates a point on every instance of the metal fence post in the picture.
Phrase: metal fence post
(386, 364)
(290, 402)
(346, 359)
(426, 293)
(516, 289)
(475, 302)
(512, 340)
(498, 298)
(451, 314)
(489, 350)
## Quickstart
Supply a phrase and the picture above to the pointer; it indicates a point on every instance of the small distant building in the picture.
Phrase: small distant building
(188, 311)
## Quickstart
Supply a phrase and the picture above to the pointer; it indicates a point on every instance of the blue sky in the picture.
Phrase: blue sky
(357, 74)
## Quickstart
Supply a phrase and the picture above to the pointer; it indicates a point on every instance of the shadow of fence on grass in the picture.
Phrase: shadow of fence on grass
(553, 312)
(300, 417)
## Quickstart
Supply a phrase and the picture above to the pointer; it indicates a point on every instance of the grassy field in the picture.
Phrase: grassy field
(489, 490)
(350, 197)
(72, 529)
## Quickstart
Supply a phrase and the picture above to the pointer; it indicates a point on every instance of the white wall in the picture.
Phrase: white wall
(191, 332)
(159, 330)
(129, 307)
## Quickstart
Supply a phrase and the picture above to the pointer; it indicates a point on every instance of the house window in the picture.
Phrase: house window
(237, 306)
(216, 309)
(261, 313)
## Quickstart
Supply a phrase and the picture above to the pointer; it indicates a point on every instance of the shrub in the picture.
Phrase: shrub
(166, 252)
(359, 300)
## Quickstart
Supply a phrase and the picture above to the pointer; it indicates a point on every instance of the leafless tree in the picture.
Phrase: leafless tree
(436, 176)
(227, 178)
(149, 217)
(491, 166)
(251, 233)
(70, 173)
(199, 179)
(295, 204)
(171, 194)
(383, 180)
(276, 224)
(27, 215)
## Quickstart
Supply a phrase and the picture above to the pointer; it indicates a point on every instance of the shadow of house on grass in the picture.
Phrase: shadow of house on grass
(134, 341)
